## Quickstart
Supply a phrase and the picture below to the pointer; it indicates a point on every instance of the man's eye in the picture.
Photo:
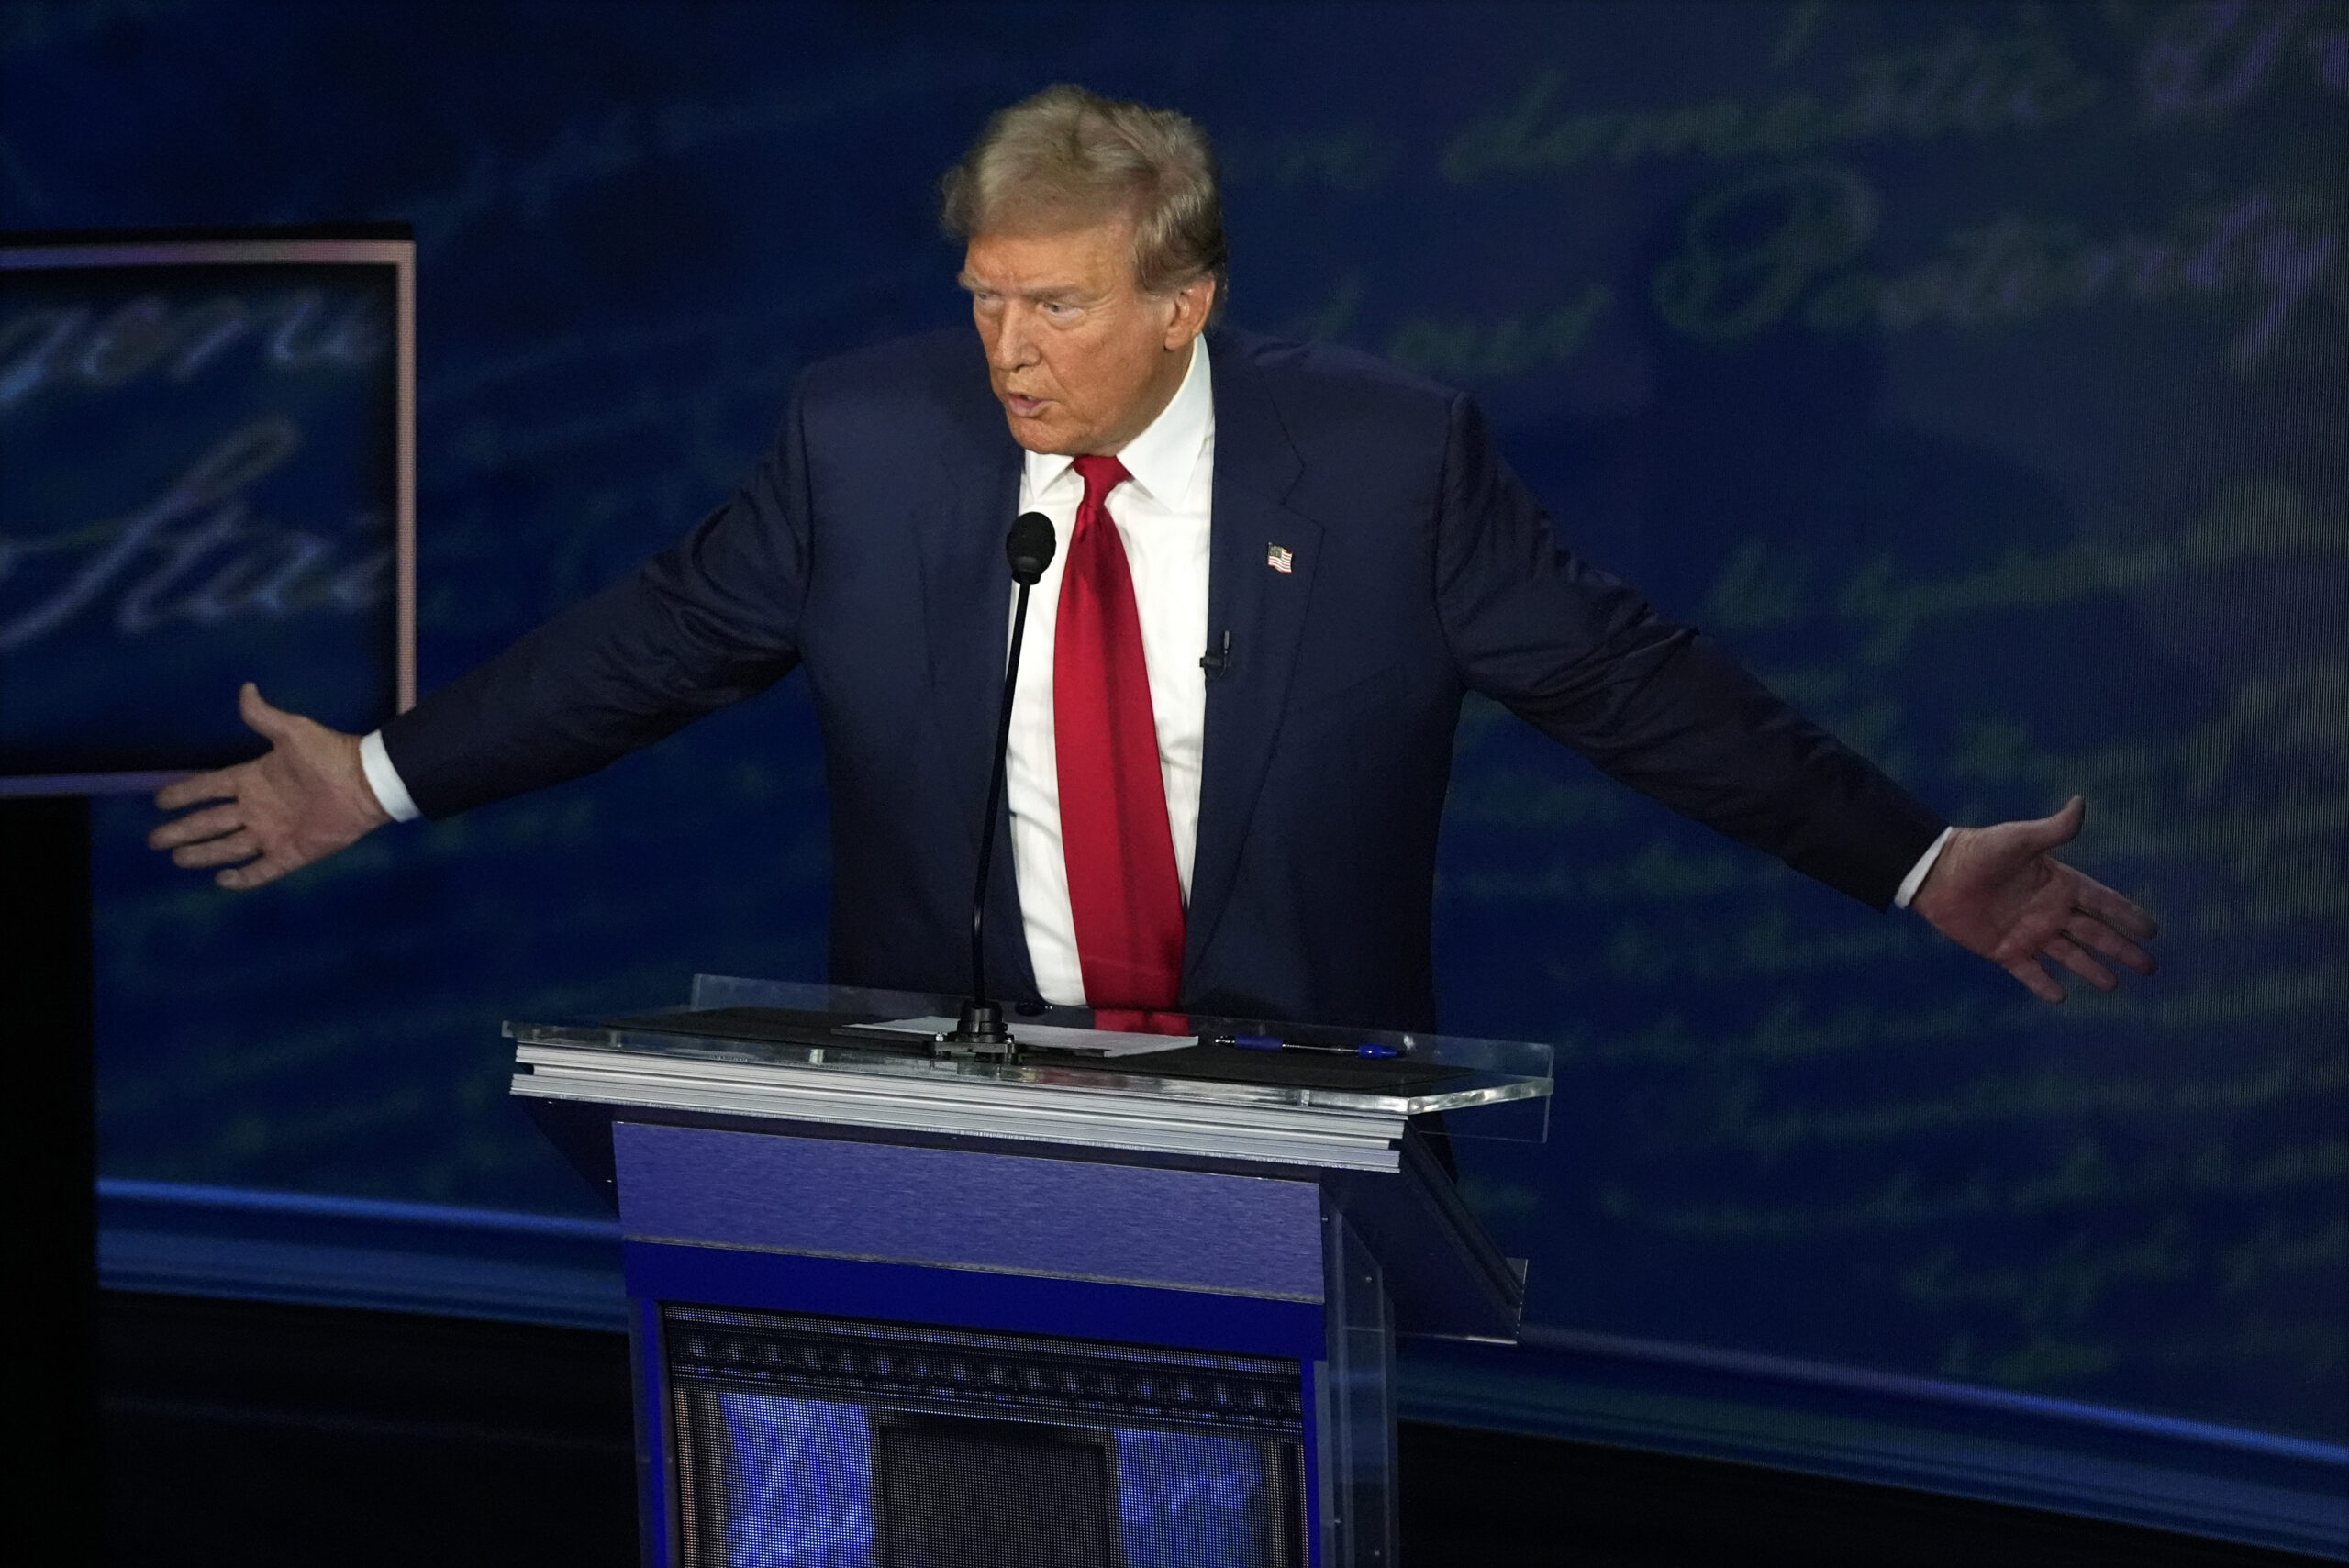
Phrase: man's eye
(1058, 309)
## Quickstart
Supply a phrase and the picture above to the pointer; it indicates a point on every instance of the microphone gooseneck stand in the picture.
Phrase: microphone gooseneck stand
(980, 1031)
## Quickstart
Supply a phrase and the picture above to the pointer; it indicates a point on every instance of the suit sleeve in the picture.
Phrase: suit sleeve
(1583, 657)
(709, 621)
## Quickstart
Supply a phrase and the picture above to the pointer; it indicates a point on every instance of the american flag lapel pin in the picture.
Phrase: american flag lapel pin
(1278, 558)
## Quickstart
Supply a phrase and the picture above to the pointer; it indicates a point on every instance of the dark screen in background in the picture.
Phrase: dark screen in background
(198, 483)
(1975, 371)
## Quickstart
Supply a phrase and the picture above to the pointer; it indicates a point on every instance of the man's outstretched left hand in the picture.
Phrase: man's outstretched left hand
(2001, 892)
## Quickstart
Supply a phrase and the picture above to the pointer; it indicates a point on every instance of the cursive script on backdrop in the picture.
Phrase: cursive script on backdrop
(196, 554)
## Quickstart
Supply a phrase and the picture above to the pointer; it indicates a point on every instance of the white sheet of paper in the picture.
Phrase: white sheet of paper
(1109, 1042)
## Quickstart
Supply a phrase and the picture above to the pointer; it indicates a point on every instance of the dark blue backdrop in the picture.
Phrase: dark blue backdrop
(1978, 370)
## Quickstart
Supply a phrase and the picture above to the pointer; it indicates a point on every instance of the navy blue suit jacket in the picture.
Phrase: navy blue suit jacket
(867, 548)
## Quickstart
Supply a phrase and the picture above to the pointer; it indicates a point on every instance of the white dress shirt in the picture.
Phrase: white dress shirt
(1163, 518)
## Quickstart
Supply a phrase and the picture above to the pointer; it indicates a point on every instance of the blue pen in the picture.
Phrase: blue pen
(1275, 1042)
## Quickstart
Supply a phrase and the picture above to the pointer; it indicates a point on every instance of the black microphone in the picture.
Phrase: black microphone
(1028, 547)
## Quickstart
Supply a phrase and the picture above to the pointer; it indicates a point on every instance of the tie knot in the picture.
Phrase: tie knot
(1101, 473)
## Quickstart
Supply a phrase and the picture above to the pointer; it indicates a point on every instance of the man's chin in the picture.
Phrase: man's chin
(1045, 438)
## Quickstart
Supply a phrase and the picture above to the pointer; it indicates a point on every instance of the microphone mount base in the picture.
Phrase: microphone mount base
(980, 1033)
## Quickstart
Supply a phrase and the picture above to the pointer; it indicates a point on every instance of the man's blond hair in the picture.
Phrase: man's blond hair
(1067, 158)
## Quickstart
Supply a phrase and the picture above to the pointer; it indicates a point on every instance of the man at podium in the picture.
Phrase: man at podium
(1282, 568)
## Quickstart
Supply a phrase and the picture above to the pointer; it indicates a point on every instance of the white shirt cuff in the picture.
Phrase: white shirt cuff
(393, 796)
(1909, 884)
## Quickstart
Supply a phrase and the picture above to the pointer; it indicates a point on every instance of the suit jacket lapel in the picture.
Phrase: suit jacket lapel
(1262, 608)
(966, 597)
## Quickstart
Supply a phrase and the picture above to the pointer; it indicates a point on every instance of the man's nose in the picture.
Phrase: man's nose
(1012, 345)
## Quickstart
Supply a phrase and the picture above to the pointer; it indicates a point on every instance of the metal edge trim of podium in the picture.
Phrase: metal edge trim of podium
(1319, 1135)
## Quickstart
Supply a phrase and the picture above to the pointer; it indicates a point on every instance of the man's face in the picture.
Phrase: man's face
(1081, 358)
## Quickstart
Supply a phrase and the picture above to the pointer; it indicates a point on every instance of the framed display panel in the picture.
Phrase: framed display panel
(829, 1441)
(208, 475)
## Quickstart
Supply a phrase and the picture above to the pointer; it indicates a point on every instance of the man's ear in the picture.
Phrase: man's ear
(1193, 301)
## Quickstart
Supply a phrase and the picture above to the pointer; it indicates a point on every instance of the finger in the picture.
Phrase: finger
(2100, 939)
(2123, 913)
(251, 874)
(274, 723)
(209, 823)
(2054, 832)
(218, 785)
(2080, 962)
(2035, 980)
(238, 846)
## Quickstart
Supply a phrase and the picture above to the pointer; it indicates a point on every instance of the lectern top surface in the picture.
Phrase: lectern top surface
(849, 1033)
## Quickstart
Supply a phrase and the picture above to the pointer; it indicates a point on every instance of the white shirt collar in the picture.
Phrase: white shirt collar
(1166, 454)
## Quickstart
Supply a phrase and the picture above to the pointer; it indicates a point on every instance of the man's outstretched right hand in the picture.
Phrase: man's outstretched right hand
(301, 800)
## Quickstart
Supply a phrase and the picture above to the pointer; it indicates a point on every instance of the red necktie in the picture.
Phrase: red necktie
(1122, 888)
